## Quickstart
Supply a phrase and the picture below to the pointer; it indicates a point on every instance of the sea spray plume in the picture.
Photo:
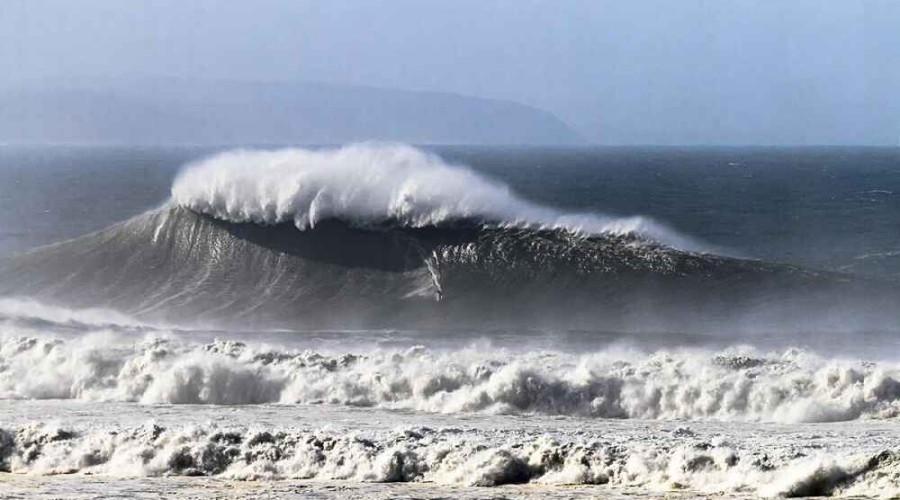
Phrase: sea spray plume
(29, 311)
(372, 184)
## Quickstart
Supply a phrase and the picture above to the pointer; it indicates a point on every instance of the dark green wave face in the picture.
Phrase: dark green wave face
(176, 266)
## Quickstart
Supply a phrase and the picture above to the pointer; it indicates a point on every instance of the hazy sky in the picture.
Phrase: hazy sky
(628, 71)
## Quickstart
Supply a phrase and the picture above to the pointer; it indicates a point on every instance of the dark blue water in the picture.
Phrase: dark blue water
(826, 207)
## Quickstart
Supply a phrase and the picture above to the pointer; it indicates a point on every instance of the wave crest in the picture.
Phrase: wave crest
(373, 184)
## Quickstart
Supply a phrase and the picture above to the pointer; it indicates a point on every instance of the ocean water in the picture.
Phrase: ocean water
(381, 320)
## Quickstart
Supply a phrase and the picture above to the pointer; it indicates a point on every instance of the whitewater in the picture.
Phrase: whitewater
(370, 184)
(377, 320)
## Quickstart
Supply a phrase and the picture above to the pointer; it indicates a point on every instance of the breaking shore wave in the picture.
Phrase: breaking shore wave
(738, 384)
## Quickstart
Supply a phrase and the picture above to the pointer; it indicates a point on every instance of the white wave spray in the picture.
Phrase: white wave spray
(373, 183)
(686, 384)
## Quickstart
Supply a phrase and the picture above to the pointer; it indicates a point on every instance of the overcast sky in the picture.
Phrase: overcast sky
(628, 71)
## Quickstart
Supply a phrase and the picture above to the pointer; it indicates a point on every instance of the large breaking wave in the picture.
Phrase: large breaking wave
(375, 236)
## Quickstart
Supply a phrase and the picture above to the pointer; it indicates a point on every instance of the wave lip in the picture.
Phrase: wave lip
(371, 184)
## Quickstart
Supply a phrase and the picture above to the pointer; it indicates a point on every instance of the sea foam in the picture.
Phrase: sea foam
(698, 384)
(663, 461)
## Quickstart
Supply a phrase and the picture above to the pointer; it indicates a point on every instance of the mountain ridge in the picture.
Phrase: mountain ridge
(178, 111)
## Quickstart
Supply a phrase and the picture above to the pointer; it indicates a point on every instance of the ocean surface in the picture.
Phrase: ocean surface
(382, 320)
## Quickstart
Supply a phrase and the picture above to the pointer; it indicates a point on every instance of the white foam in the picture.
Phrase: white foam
(656, 462)
(372, 183)
(685, 385)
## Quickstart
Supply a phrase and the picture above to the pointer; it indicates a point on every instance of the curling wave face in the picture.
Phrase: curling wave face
(741, 385)
(174, 266)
